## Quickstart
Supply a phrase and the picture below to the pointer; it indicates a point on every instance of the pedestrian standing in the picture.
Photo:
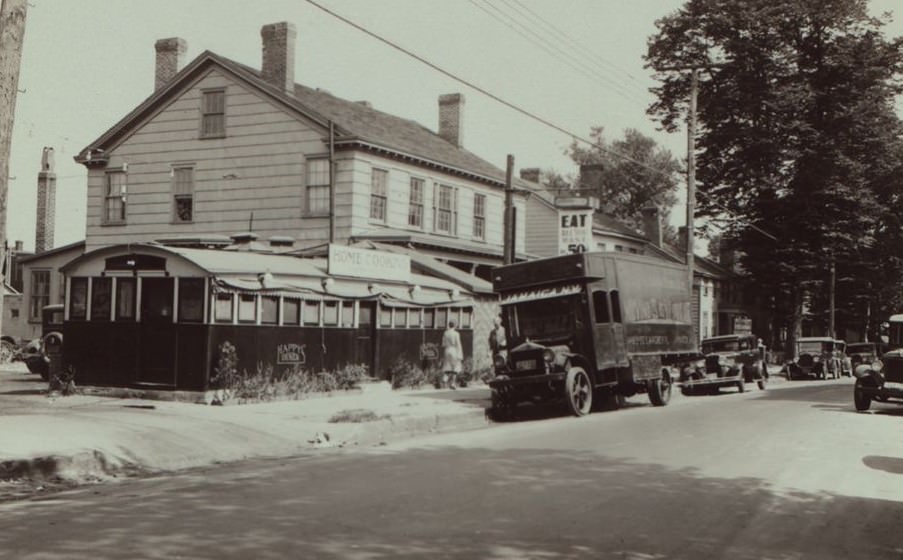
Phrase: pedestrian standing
(452, 354)
(498, 341)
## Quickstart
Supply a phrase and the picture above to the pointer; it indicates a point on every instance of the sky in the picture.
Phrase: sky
(574, 63)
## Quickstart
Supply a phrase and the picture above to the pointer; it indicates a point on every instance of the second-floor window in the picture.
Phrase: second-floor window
(379, 179)
(415, 203)
(445, 210)
(40, 293)
(318, 186)
(479, 216)
(114, 200)
(183, 194)
(213, 114)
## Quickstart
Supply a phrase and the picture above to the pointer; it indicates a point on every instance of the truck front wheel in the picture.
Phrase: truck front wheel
(659, 390)
(860, 399)
(578, 391)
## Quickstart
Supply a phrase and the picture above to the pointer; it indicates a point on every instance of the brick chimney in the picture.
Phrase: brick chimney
(530, 174)
(170, 56)
(652, 225)
(451, 116)
(46, 218)
(278, 66)
(590, 177)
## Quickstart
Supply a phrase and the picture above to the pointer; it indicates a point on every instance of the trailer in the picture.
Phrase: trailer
(588, 327)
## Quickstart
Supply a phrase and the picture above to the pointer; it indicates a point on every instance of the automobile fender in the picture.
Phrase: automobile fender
(868, 376)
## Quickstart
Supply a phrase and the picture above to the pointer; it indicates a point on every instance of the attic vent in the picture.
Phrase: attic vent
(281, 241)
(245, 237)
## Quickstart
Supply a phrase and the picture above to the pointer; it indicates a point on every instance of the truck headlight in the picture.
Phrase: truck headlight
(499, 361)
(548, 355)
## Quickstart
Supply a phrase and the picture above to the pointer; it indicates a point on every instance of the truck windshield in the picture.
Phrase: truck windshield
(710, 346)
(813, 347)
(543, 318)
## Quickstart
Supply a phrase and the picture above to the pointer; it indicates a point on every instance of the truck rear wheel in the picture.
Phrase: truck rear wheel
(578, 391)
(659, 390)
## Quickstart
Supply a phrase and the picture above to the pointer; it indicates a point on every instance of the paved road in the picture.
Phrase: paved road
(788, 473)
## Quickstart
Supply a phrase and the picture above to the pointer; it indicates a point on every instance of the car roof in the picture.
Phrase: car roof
(727, 337)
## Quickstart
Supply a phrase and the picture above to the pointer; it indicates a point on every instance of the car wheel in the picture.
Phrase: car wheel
(659, 390)
(860, 399)
(578, 391)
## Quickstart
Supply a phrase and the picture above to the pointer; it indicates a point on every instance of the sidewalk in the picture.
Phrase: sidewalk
(83, 437)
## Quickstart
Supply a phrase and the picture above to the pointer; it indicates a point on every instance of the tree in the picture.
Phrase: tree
(798, 142)
(647, 175)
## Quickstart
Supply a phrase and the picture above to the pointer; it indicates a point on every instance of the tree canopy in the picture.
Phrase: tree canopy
(797, 138)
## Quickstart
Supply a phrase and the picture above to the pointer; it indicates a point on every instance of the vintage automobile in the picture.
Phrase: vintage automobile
(43, 355)
(862, 353)
(731, 360)
(846, 364)
(587, 328)
(815, 357)
(882, 380)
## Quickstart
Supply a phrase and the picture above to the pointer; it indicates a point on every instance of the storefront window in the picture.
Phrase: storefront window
(101, 292)
(269, 310)
(191, 300)
(414, 317)
(311, 312)
(348, 314)
(125, 299)
(247, 308)
(385, 317)
(291, 311)
(441, 318)
(466, 318)
(429, 318)
(78, 309)
(330, 313)
(223, 311)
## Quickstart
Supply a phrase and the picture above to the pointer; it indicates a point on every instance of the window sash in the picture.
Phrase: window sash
(40, 293)
(378, 187)
(317, 181)
(115, 195)
(126, 291)
(191, 300)
(213, 114)
(415, 203)
(101, 298)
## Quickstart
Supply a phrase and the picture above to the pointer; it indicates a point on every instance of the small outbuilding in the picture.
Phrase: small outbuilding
(155, 317)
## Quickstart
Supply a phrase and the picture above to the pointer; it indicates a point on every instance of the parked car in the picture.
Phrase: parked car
(862, 353)
(43, 355)
(815, 357)
(846, 364)
(882, 379)
(730, 361)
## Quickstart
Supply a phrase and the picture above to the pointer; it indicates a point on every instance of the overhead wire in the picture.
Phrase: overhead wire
(514, 107)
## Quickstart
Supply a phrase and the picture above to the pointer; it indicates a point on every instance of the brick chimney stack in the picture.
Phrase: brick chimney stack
(46, 215)
(652, 224)
(451, 118)
(278, 66)
(170, 57)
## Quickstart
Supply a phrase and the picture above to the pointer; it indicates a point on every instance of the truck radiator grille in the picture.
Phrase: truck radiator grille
(893, 370)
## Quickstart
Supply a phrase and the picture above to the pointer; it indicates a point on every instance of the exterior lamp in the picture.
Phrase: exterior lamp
(327, 283)
(454, 293)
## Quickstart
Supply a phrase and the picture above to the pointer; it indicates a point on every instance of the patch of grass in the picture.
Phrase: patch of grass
(357, 416)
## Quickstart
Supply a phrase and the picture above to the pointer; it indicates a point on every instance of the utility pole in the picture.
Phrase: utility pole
(508, 250)
(691, 173)
(332, 182)
(831, 289)
(12, 35)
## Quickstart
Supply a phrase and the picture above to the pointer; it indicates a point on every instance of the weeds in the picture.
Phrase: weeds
(357, 416)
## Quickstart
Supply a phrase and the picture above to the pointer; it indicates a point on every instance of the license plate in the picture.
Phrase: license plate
(524, 365)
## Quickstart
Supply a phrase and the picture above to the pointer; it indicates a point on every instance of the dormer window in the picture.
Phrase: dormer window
(213, 113)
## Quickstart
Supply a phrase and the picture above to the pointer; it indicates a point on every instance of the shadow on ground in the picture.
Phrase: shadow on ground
(453, 503)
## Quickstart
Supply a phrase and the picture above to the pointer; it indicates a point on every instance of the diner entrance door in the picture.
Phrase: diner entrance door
(157, 332)
(364, 351)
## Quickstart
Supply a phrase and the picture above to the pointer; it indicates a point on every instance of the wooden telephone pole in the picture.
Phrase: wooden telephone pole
(691, 174)
(12, 35)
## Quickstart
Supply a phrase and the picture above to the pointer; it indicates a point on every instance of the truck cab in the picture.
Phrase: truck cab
(882, 379)
(588, 326)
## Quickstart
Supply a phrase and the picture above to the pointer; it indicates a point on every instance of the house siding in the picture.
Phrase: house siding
(542, 236)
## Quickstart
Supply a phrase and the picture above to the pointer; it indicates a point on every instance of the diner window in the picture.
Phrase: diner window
(269, 310)
(619, 248)
(466, 318)
(101, 294)
(415, 203)
(183, 194)
(213, 114)
(615, 306)
(479, 216)
(318, 186)
(441, 318)
(115, 196)
(223, 309)
(78, 290)
(600, 306)
(247, 308)
(445, 209)
(414, 317)
(429, 318)
(311, 312)
(348, 314)
(385, 317)
(330, 313)
(40, 293)
(379, 180)
(191, 300)
(291, 311)
(125, 298)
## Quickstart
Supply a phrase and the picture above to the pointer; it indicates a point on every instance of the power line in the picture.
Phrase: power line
(510, 105)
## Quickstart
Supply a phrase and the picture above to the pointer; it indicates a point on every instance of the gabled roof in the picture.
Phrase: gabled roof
(76, 246)
(356, 124)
